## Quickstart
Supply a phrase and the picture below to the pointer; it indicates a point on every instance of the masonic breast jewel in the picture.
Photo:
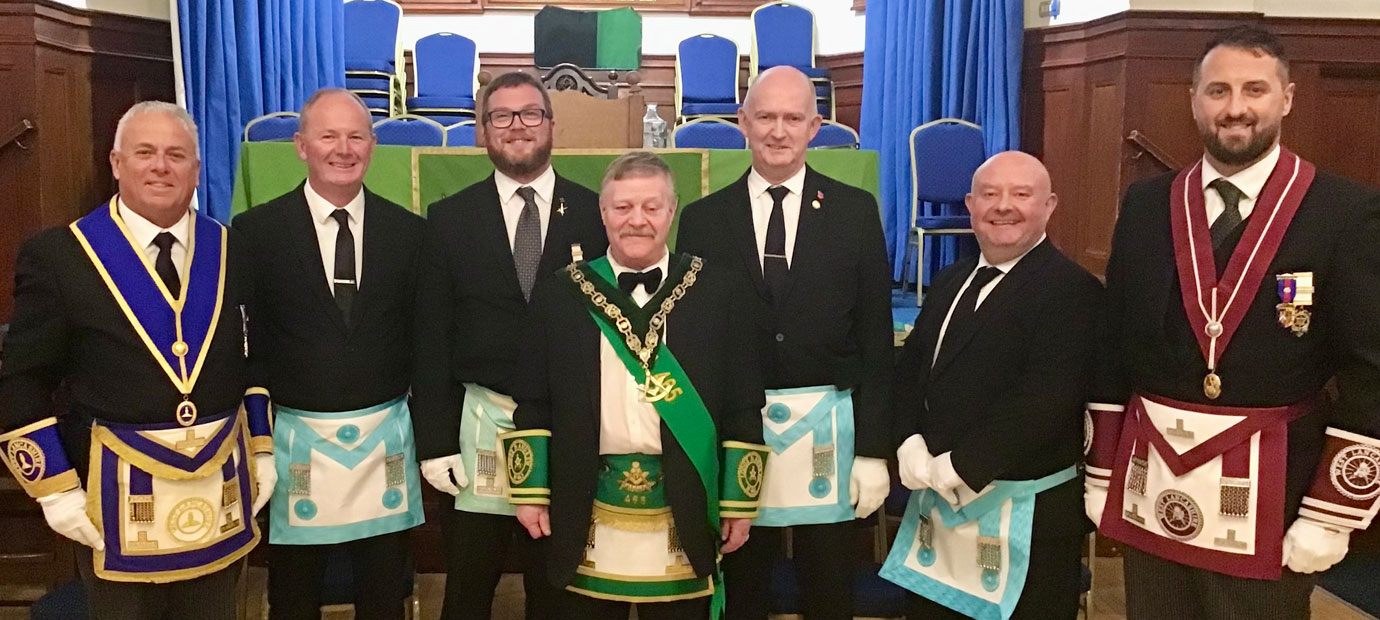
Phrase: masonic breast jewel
(1295, 297)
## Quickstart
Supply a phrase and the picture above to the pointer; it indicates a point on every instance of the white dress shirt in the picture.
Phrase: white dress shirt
(512, 203)
(761, 209)
(144, 231)
(982, 294)
(1250, 181)
(627, 423)
(327, 228)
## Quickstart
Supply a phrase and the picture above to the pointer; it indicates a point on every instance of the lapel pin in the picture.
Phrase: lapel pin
(560, 210)
(819, 195)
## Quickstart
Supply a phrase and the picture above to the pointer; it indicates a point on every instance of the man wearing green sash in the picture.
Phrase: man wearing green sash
(641, 504)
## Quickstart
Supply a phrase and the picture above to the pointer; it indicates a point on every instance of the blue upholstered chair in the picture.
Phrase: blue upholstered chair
(410, 130)
(372, 57)
(275, 127)
(834, 135)
(784, 34)
(706, 77)
(460, 134)
(445, 67)
(708, 132)
(943, 156)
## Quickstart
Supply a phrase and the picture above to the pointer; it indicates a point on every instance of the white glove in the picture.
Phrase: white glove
(1311, 546)
(265, 478)
(944, 479)
(913, 459)
(1094, 502)
(66, 514)
(438, 471)
(868, 485)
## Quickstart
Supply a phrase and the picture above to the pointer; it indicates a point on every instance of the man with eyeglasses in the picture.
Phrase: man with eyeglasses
(485, 249)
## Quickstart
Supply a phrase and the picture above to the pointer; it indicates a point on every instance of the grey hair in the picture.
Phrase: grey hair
(640, 164)
(160, 107)
(326, 92)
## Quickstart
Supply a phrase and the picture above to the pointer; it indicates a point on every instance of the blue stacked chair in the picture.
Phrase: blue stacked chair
(410, 130)
(784, 34)
(371, 54)
(834, 135)
(445, 68)
(706, 77)
(708, 132)
(274, 127)
(460, 134)
(948, 151)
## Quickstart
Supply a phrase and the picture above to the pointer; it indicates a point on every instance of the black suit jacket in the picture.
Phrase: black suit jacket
(1149, 346)
(313, 361)
(559, 390)
(470, 309)
(1007, 400)
(834, 327)
(68, 327)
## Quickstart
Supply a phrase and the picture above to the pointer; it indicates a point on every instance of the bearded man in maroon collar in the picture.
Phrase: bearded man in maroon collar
(1237, 289)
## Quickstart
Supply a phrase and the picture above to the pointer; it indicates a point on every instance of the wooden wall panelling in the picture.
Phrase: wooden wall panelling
(1074, 72)
(847, 73)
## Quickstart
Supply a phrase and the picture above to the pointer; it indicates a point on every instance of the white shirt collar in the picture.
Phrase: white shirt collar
(321, 209)
(619, 269)
(545, 185)
(1251, 180)
(757, 185)
(1007, 266)
(144, 231)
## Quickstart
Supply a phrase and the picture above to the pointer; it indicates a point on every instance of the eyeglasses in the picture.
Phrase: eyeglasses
(503, 119)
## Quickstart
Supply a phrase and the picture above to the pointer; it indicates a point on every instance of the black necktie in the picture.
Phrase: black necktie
(527, 241)
(164, 263)
(962, 318)
(650, 280)
(774, 267)
(344, 278)
(1231, 215)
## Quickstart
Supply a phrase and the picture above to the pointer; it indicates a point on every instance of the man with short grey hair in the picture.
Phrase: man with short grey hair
(638, 444)
(136, 307)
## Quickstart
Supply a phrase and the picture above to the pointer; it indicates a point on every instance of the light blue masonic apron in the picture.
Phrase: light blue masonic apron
(486, 414)
(972, 558)
(344, 476)
(810, 433)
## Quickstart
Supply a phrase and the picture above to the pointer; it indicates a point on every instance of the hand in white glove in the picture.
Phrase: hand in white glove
(66, 514)
(438, 471)
(913, 459)
(868, 485)
(1311, 546)
(944, 479)
(265, 478)
(1094, 502)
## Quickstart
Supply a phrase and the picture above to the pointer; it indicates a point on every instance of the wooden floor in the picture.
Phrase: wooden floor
(1108, 601)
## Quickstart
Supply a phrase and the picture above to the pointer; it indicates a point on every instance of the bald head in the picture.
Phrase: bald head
(779, 118)
(1010, 203)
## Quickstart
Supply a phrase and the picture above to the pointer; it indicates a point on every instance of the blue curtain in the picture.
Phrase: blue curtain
(929, 59)
(245, 58)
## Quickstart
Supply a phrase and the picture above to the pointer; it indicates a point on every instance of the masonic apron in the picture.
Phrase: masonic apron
(810, 433)
(486, 414)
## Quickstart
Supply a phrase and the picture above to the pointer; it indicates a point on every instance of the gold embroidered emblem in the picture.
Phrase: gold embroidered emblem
(27, 459)
(750, 469)
(192, 520)
(660, 386)
(520, 461)
(636, 480)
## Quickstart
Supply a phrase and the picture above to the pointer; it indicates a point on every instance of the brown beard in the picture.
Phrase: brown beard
(518, 168)
(1252, 151)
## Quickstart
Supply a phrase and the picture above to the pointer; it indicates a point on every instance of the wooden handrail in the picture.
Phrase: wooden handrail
(15, 133)
(1146, 145)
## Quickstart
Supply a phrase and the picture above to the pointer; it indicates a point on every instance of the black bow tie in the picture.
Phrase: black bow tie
(649, 280)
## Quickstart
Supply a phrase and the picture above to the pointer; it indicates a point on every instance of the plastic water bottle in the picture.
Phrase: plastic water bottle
(655, 134)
